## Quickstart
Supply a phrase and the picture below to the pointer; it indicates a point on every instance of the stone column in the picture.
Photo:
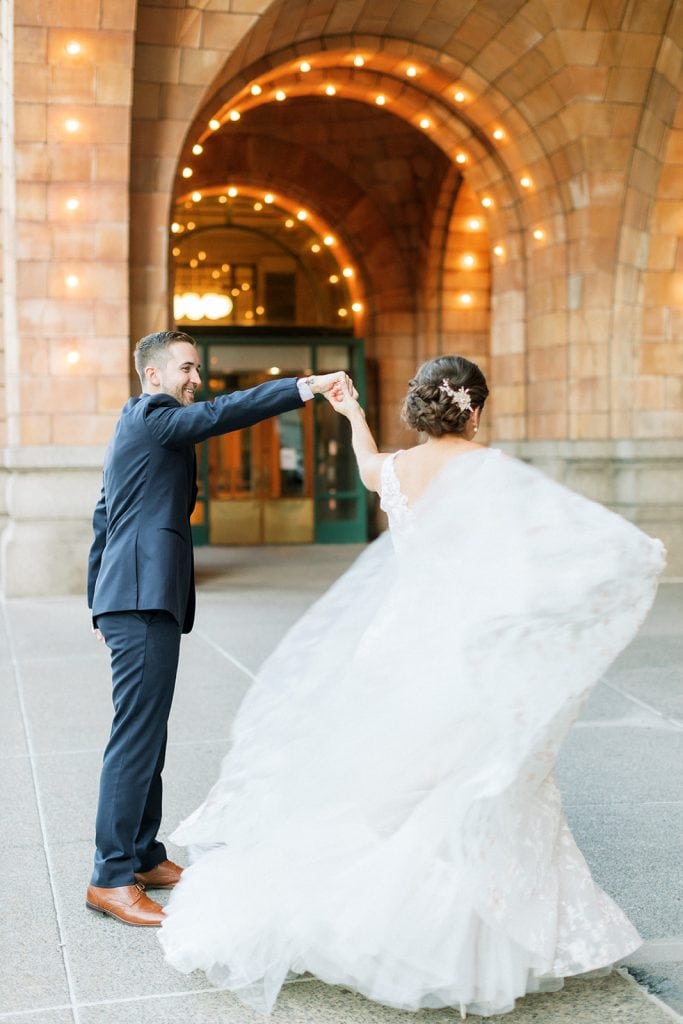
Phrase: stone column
(66, 119)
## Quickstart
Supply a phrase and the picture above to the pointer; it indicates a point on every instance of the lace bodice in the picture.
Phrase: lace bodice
(393, 500)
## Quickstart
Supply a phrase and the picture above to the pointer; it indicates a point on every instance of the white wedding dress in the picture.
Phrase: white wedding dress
(386, 818)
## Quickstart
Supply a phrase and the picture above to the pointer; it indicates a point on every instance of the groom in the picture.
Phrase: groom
(141, 592)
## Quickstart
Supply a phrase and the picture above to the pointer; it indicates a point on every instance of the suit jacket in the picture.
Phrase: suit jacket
(141, 556)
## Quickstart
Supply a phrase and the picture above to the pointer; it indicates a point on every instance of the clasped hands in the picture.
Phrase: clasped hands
(337, 388)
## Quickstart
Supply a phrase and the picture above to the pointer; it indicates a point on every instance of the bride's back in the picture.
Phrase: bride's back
(416, 467)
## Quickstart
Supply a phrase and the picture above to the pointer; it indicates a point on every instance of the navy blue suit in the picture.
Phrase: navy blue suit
(141, 592)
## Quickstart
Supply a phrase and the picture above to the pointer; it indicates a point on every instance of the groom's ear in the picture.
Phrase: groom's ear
(152, 376)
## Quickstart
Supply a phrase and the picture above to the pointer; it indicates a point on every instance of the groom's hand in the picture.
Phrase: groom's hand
(321, 384)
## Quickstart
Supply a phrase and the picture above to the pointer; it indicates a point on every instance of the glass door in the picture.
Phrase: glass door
(292, 478)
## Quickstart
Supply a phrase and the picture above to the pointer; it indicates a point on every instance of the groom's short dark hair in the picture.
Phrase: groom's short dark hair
(154, 348)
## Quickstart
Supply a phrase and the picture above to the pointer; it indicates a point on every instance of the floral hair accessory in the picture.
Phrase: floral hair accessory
(460, 397)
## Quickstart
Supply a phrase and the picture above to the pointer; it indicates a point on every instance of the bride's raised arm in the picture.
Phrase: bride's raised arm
(369, 459)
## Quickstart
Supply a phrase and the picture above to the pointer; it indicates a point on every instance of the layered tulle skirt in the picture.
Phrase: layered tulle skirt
(386, 818)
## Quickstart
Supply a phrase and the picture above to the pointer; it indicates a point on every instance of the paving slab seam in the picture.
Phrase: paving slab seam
(11, 1014)
(146, 998)
(40, 812)
(650, 996)
(677, 723)
(226, 654)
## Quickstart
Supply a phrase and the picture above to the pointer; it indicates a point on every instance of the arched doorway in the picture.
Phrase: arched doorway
(268, 291)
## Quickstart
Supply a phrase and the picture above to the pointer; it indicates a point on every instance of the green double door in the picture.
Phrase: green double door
(291, 479)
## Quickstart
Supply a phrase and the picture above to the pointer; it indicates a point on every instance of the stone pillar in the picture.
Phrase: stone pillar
(51, 492)
(66, 110)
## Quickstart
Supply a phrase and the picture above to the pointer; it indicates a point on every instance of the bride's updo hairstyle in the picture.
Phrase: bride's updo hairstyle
(431, 406)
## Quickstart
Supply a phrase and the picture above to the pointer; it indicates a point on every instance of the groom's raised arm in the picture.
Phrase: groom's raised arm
(172, 424)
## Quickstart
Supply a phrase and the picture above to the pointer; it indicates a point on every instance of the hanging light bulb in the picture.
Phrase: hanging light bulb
(216, 306)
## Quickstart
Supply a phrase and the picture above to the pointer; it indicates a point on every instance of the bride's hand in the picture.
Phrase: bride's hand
(343, 398)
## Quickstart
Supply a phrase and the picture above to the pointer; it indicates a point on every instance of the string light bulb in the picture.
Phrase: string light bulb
(498, 134)
(461, 158)
(357, 307)
(214, 124)
(539, 234)
(197, 149)
(232, 192)
(304, 67)
(72, 203)
(256, 89)
(411, 72)
(73, 48)
(358, 61)
(459, 96)
(468, 260)
(196, 197)
(380, 100)
(330, 90)
(487, 202)
(72, 124)
(465, 299)
(73, 357)
(234, 115)
(525, 181)
(280, 95)
(498, 250)
(72, 281)
(187, 172)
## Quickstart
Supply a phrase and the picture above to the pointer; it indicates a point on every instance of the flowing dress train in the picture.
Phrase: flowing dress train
(386, 817)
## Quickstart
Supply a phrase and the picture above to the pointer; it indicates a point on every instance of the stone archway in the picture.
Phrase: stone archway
(463, 126)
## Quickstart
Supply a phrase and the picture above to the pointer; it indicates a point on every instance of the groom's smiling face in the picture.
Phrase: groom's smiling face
(179, 377)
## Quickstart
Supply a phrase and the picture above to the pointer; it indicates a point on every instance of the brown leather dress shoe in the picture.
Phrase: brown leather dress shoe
(127, 903)
(163, 876)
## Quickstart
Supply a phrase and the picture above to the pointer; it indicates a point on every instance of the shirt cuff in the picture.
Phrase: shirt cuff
(305, 393)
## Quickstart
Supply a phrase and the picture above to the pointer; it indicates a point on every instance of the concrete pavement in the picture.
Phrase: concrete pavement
(620, 774)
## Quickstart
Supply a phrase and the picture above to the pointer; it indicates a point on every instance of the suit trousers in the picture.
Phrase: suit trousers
(144, 647)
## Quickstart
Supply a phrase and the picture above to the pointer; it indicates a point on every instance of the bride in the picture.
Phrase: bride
(386, 818)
